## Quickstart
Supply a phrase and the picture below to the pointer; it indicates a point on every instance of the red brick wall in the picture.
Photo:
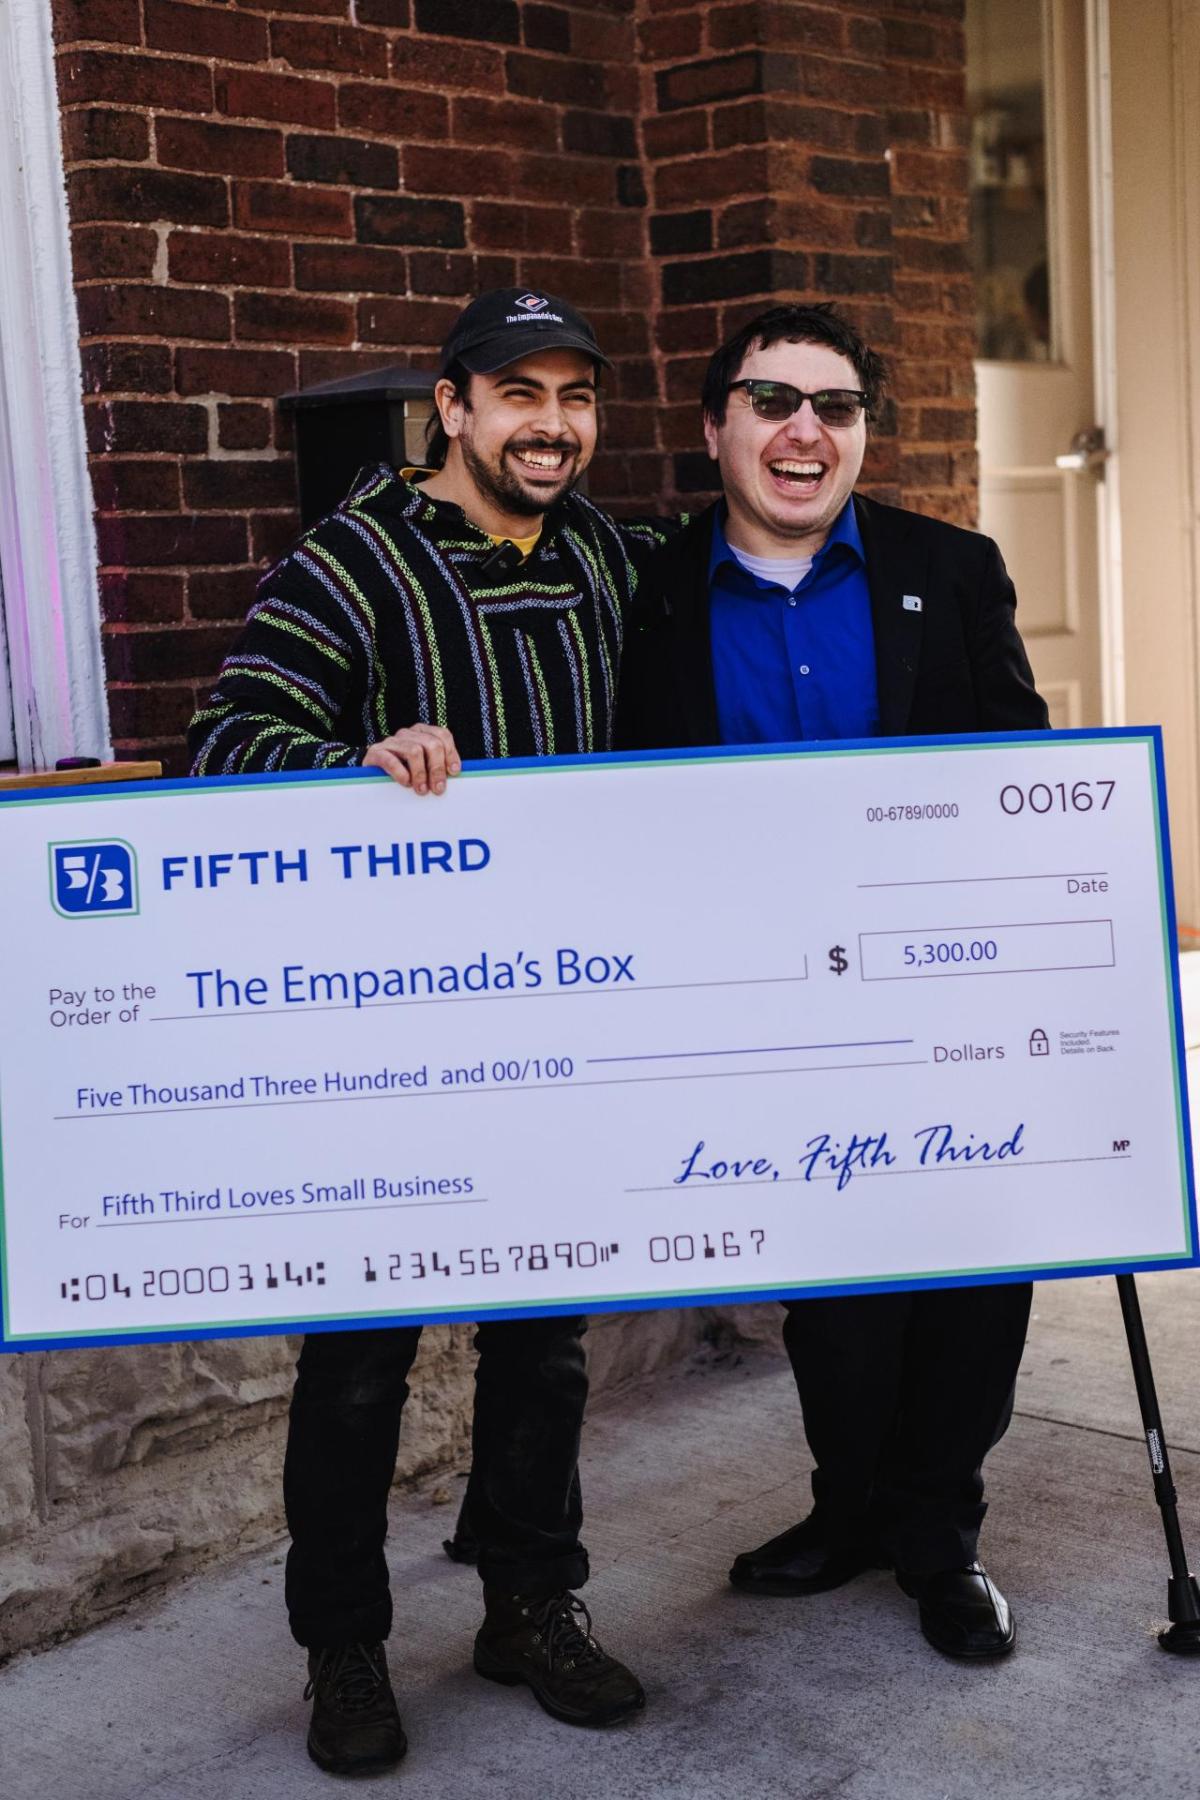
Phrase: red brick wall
(263, 196)
(817, 152)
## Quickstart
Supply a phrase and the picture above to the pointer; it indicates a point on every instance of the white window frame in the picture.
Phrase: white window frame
(47, 538)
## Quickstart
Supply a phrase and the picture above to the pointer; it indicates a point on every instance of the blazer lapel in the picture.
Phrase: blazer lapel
(687, 597)
(896, 573)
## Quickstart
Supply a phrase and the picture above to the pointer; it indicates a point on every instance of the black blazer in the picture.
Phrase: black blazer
(956, 664)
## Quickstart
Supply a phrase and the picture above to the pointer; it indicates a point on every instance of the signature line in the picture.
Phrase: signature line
(1043, 1162)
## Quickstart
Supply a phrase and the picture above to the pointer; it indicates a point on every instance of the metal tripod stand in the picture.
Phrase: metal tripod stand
(1182, 1636)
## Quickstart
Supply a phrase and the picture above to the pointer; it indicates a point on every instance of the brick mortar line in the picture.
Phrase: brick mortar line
(218, 63)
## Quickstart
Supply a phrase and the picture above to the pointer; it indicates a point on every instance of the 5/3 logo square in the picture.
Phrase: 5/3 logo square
(94, 879)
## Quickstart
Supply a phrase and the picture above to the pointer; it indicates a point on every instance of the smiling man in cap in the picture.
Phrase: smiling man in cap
(475, 610)
(517, 410)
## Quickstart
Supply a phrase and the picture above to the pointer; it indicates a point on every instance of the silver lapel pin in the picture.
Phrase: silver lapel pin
(912, 603)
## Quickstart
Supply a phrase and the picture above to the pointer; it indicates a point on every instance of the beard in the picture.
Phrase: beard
(500, 483)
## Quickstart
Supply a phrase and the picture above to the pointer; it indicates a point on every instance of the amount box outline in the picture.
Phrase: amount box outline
(919, 972)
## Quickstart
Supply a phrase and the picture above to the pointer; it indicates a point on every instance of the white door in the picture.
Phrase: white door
(1027, 90)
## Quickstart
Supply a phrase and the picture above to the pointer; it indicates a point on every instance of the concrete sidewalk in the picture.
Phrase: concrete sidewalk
(197, 1695)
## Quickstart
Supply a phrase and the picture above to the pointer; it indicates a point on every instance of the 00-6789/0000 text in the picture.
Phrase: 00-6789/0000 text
(917, 809)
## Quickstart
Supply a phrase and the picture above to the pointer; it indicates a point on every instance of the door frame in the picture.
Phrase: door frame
(1104, 359)
(1148, 93)
(1143, 90)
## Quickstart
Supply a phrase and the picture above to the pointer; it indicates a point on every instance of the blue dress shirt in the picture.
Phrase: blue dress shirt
(794, 665)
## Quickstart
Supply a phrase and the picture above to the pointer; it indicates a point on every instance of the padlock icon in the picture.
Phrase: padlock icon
(1039, 1043)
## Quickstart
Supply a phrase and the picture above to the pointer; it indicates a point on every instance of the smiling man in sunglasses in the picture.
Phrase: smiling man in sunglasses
(794, 609)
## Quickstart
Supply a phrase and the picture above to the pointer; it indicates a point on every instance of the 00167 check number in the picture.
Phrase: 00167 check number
(1040, 797)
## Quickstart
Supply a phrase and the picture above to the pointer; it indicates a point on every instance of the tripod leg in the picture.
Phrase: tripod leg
(1183, 1596)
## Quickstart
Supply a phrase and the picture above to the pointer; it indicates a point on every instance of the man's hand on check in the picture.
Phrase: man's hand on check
(421, 757)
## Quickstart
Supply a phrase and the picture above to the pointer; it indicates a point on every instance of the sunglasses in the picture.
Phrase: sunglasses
(776, 400)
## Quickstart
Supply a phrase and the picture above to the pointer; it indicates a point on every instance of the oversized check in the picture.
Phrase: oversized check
(590, 1034)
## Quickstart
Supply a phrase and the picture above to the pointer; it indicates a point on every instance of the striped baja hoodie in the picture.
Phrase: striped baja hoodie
(382, 615)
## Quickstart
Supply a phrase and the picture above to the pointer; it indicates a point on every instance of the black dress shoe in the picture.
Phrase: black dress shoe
(962, 1611)
(804, 1560)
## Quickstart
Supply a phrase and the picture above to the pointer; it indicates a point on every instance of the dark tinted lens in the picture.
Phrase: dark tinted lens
(840, 406)
(774, 399)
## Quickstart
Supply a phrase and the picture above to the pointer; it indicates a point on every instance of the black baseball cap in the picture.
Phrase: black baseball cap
(507, 323)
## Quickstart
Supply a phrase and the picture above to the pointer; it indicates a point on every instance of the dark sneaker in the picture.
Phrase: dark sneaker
(356, 1727)
(548, 1645)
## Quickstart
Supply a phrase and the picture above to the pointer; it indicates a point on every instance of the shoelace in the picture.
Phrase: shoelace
(352, 1675)
(567, 1625)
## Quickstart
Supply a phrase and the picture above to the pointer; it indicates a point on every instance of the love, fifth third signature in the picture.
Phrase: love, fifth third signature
(824, 1156)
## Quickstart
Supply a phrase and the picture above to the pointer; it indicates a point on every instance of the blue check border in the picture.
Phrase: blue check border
(200, 787)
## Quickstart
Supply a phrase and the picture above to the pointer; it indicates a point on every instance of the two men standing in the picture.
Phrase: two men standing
(482, 611)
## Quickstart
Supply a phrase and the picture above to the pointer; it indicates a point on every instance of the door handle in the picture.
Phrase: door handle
(1088, 450)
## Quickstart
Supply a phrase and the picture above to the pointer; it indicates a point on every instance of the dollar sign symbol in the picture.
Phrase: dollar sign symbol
(839, 962)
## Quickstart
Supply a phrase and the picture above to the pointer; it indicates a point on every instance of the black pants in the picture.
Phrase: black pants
(903, 1396)
(523, 1495)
